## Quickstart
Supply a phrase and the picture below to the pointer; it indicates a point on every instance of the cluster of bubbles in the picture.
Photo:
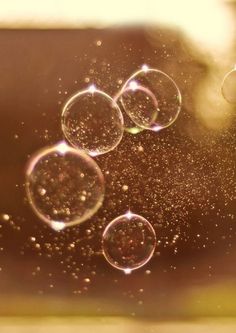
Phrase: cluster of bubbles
(65, 186)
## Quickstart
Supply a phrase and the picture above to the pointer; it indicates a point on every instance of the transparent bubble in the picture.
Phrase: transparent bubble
(129, 242)
(151, 99)
(92, 121)
(64, 186)
(228, 87)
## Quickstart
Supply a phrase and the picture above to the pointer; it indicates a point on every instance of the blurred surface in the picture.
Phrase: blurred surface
(108, 325)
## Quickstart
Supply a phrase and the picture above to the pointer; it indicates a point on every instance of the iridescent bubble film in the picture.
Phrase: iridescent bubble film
(151, 98)
(92, 121)
(128, 242)
(64, 186)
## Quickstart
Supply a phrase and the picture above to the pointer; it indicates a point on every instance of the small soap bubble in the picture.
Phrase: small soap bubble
(228, 87)
(151, 98)
(92, 121)
(57, 192)
(128, 242)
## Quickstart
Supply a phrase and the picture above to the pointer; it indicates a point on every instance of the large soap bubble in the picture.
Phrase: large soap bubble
(151, 99)
(129, 242)
(64, 186)
(147, 104)
(92, 121)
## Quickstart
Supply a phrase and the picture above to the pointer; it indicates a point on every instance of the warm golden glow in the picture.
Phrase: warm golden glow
(208, 25)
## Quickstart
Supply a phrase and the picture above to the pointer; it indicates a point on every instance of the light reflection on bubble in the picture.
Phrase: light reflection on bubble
(92, 121)
(130, 127)
(151, 99)
(129, 242)
(228, 87)
(64, 186)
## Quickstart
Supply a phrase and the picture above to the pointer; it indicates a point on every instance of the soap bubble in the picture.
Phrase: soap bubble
(228, 87)
(151, 99)
(64, 185)
(128, 242)
(92, 121)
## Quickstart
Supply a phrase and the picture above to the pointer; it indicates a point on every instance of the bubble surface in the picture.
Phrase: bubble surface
(129, 126)
(64, 186)
(151, 99)
(128, 242)
(228, 87)
(92, 121)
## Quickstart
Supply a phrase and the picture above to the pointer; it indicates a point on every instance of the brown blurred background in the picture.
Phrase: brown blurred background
(181, 179)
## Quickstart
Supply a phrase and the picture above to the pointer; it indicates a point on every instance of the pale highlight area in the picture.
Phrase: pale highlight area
(211, 107)
(111, 325)
(208, 25)
(207, 21)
